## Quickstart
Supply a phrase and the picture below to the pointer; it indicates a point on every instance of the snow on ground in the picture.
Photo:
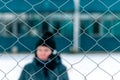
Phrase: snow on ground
(97, 66)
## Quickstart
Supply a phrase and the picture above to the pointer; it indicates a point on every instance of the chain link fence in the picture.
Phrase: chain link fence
(24, 22)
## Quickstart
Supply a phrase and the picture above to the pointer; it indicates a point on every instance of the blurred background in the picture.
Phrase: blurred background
(78, 26)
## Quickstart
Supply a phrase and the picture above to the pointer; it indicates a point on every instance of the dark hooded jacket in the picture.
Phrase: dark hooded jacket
(52, 69)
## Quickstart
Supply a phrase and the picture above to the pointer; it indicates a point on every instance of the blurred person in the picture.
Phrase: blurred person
(45, 65)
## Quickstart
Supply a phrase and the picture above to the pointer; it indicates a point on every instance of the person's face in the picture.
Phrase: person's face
(43, 52)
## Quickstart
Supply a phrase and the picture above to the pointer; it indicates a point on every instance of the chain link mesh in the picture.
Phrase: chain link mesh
(86, 66)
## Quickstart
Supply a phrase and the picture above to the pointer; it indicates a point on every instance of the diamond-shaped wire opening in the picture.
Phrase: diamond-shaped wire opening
(84, 44)
(99, 75)
(14, 74)
(85, 66)
(44, 26)
(112, 63)
(115, 29)
(31, 18)
(68, 61)
(66, 27)
(93, 7)
(44, 6)
(106, 26)
(21, 29)
(94, 28)
(94, 16)
(7, 67)
(97, 47)
(84, 26)
(68, 6)
(7, 43)
(66, 44)
(26, 41)
(106, 44)
(99, 59)
(113, 8)
(85, 29)
(102, 36)
(81, 50)
(24, 59)
(11, 6)
(60, 16)
(75, 74)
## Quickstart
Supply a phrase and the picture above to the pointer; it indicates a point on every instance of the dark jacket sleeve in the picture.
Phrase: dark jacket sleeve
(24, 74)
(63, 73)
